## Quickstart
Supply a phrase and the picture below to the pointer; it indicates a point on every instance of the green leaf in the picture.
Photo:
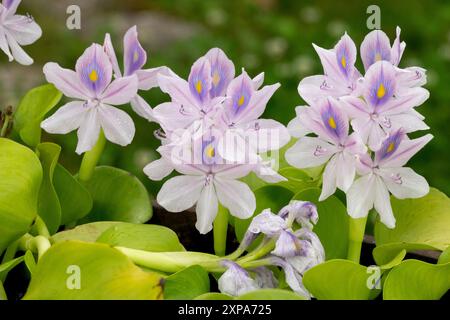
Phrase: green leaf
(394, 261)
(422, 223)
(270, 294)
(417, 280)
(214, 296)
(30, 262)
(102, 273)
(32, 110)
(445, 256)
(8, 266)
(49, 207)
(385, 253)
(339, 280)
(186, 284)
(141, 236)
(118, 196)
(273, 197)
(86, 232)
(20, 180)
(332, 227)
(298, 180)
(75, 199)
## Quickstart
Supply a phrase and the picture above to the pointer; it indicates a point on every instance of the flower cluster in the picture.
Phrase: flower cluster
(96, 92)
(379, 106)
(212, 134)
(16, 31)
(295, 251)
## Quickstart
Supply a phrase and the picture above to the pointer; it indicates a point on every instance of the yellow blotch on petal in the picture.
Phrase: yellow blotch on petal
(381, 91)
(93, 76)
(377, 57)
(390, 147)
(216, 79)
(199, 86)
(344, 62)
(332, 123)
(136, 56)
(241, 101)
(210, 152)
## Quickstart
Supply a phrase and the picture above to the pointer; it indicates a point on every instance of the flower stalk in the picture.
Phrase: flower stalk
(220, 229)
(356, 236)
(91, 158)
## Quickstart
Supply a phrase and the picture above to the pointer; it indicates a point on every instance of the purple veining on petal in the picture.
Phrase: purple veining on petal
(7, 3)
(390, 145)
(209, 151)
(200, 79)
(345, 55)
(381, 83)
(134, 55)
(241, 95)
(374, 48)
(333, 121)
(94, 69)
(222, 72)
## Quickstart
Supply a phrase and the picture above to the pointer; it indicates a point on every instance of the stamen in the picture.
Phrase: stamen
(319, 151)
(397, 178)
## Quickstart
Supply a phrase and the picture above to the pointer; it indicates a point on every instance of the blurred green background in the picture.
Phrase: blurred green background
(273, 36)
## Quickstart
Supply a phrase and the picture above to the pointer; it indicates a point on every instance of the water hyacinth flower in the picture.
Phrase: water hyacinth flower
(236, 281)
(95, 93)
(304, 212)
(382, 109)
(385, 174)
(134, 59)
(340, 74)
(334, 145)
(16, 31)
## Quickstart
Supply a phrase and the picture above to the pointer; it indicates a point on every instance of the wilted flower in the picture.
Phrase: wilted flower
(16, 31)
(236, 281)
(91, 85)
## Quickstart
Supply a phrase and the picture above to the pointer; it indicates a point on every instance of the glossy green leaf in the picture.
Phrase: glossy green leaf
(186, 284)
(332, 227)
(118, 196)
(30, 262)
(421, 224)
(76, 270)
(270, 294)
(445, 256)
(141, 236)
(74, 198)
(49, 207)
(417, 280)
(273, 197)
(340, 280)
(395, 261)
(298, 180)
(88, 232)
(32, 110)
(214, 296)
(385, 253)
(8, 266)
(20, 180)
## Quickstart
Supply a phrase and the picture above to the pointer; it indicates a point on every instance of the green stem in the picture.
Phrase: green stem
(8, 256)
(90, 159)
(357, 228)
(266, 246)
(3, 295)
(172, 261)
(255, 263)
(41, 227)
(220, 231)
(5, 126)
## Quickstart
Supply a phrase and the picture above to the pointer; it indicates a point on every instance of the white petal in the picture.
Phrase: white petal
(404, 182)
(4, 46)
(149, 78)
(309, 152)
(382, 203)
(360, 196)
(158, 169)
(207, 207)
(66, 119)
(180, 193)
(23, 29)
(329, 179)
(117, 125)
(120, 91)
(142, 108)
(345, 171)
(88, 132)
(236, 196)
(18, 53)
